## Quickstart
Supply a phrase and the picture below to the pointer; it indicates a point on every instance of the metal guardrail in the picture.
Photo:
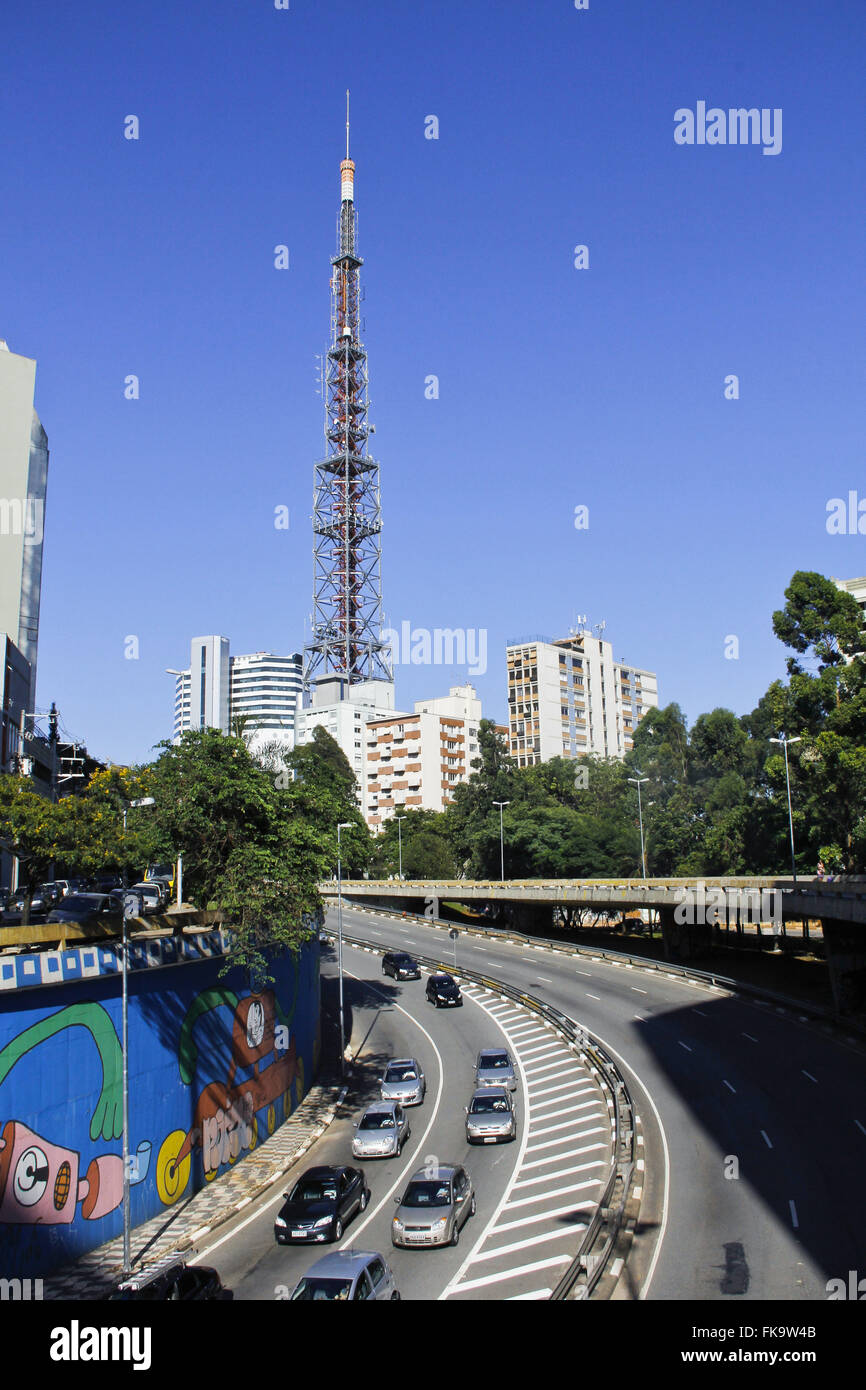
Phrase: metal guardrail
(598, 1242)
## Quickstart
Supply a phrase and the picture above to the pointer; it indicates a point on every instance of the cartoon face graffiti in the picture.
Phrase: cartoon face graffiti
(253, 1029)
(40, 1184)
(255, 1024)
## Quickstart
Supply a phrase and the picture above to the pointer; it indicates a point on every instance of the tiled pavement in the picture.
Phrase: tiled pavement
(181, 1228)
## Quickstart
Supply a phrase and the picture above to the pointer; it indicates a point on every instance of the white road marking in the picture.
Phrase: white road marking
(685, 1045)
(587, 973)
(540, 1216)
(575, 1153)
(566, 1110)
(546, 1070)
(860, 1127)
(766, 1138)
(749, 1036)
(563, 1172)
(545, 1049)
(578, 1091)
(552, 1129)
(729, 1086)
(810, 1076)
(596, 997)
(509, 1274)
(565, 1086)
(795, 1221)
(547, 981)
(537, 1295)
(527, 1244)
(548, 1196)
(637, 991)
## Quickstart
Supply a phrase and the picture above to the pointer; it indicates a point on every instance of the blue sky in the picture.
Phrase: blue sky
(558, 387)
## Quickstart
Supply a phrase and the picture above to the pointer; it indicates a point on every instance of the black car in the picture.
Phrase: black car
(443, 991)
(13, 912)
(173, 1282)
(83, 908)
(320, 1204)
(400, 966)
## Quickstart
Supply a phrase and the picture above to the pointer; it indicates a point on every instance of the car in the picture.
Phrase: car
(348, 1276)
(490, 1116)
(51, 894)
(400, 966)
(443, 990)
(495, 1067)
(320, 1205)
(103, 883)
(173, 1281)
(381, 1131)
(163, 871)
(403, 1080)
(71, 885)
(150, 895)
(40, 902)
(434, 1207)
(82, 907)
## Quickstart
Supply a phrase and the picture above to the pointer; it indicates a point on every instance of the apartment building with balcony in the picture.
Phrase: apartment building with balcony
(569, 697)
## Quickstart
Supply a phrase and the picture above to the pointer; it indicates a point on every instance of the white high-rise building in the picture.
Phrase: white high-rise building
(414, 761)
(569, 697)
(23, 487)
(217, 688)
(857, 589)
(345, 710)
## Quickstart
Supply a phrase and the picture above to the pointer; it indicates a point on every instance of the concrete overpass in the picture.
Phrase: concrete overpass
(688, 910)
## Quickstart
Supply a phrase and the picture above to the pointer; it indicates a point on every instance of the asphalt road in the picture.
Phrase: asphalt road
(755, 1122)
(495, 1256)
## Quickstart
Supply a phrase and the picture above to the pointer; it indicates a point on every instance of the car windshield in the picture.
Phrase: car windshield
(427, 1194)
(445, 983)
(486, 1105)
(495, 1060)
(314, 1190)
(401, 1074)
(330, 1289)
(377, 1120)
(75, 900)
(404, 960)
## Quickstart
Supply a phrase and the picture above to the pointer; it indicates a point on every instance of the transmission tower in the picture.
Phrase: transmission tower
(347, 519)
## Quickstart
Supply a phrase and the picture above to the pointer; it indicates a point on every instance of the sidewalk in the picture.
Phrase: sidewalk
(182, 1227)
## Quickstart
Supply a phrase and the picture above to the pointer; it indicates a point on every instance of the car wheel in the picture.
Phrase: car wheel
(472, 1205)
(399, 1148)
(338, 1229)
(365, 1197)
(455, 1235)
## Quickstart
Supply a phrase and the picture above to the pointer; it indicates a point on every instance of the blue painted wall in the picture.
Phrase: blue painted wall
(214, 1069)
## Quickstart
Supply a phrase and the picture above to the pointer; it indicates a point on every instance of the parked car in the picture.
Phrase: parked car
(172, 1281)
(71, 885)
(490, 1116)
(83, 908)
(14, 910)
(348, 1276)
(381, 1131)
(150, 895)
(400, 966)
(432, 1210)
(320, 1204)
(443, 990)
(403, 1080)
(495, 1067)
(103, 883)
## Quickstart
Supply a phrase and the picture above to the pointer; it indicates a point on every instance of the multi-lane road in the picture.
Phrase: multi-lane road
(754, 1129)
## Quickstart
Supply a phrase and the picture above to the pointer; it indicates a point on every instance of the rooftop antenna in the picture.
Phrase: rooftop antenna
(347, 122)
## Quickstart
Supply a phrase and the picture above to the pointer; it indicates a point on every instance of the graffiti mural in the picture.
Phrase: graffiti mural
(214, 1068)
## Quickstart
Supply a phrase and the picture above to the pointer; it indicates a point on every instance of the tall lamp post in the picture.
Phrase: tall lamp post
(784, 742)
(500, 804)
(128, 911)
(344, 825)
(637, 781)
(398, 819)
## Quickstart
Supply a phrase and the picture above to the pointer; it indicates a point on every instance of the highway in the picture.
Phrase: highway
(534, 1195)
(755, 1123)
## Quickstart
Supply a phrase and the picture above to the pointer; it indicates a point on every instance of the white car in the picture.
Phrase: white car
(150, 895)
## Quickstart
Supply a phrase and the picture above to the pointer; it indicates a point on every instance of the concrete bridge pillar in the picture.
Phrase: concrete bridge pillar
(845, 952)
(682, 941)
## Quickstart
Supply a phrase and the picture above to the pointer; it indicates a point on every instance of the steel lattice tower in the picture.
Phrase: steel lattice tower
(347, 520)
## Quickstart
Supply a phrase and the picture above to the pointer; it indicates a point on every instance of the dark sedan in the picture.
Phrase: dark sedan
(82, 907)
(443, 991)
(320, 1205)
(173, 1282)
(400, 966)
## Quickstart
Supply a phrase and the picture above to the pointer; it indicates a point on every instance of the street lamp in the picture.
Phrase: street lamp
(344, 825)
(400, 842)
(500, 804)
(784, 742)
(637, 781)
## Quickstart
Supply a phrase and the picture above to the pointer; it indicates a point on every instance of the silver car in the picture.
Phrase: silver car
(403, 1080)
(490, 1116)
(381, 1131)
(348, 1276)
(496, 1067)
(437, 1202)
